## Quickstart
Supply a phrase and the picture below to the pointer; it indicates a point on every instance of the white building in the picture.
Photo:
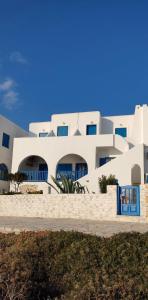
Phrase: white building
(83, 146)
(8, 131)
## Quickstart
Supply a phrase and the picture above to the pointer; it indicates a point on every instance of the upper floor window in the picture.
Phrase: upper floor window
(91, 129)
(5, 140)
(43, 134)
(121, 131)
(62, 131)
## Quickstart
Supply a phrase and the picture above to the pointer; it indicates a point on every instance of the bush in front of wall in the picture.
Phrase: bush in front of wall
(71, 265)
(35, 192)
(104, 181)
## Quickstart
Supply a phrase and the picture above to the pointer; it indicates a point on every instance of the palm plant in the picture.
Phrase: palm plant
(67, 186)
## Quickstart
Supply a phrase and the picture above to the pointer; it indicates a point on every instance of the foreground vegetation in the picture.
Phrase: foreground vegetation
(62, 265)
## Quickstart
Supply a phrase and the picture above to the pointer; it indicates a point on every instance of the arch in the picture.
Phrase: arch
(35, 168)
(72, 166)
(3, 172)
(136, 175)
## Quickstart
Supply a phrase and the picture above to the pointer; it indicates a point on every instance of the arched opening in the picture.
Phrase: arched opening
(35, 168)
(72, 166)
(136, 175)
(3, 172)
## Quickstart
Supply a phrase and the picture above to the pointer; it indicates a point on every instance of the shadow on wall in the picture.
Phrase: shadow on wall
(107, 126)
(136, 175)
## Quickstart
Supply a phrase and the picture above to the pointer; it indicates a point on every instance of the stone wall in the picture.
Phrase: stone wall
(77, 206)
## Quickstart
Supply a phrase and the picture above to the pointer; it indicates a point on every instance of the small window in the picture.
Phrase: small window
(91, 129)
(62, 131)
(121, 131)
(43, 134)
(6, 140)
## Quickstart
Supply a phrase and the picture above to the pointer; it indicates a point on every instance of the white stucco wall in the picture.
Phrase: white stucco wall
(77, 206)
(90, 148)
(74, 121)
(12, 130)
(53, 149)
(120, 167)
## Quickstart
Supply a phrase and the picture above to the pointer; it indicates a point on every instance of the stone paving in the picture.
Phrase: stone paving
(99, 228)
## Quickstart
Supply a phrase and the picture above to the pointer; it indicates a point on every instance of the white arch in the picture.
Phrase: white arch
(31, 156)
(74, 160)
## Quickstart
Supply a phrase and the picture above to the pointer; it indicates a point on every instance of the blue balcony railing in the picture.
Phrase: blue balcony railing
(73, 175)
(35, 175)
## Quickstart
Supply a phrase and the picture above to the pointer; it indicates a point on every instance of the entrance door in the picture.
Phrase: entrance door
(129, 200)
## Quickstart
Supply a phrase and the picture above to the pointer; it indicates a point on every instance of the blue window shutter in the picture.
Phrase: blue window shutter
(6, 140)
(62, 131)
(122, 131)
(91, 129)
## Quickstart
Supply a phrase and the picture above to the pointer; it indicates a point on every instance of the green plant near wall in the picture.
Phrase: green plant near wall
(67, 186)
(104, 181)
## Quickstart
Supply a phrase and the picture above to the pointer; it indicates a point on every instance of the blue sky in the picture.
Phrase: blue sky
(61, 56)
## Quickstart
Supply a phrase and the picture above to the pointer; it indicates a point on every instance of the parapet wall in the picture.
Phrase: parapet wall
(77, 206)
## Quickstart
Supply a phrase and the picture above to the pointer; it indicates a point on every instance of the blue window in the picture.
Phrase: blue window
(121, 131)
(62, 131)
(91, 129)
(43, 134)
(6, 140)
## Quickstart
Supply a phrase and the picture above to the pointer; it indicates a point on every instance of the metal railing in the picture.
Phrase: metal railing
(73, 175)
(35, 175)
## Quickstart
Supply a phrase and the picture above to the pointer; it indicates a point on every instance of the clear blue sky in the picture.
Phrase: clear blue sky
(61, 56)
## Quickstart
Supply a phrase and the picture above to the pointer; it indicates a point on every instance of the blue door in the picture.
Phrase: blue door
(81, 170)
(129, 200)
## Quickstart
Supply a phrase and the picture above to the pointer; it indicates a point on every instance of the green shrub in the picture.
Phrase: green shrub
(70, 265)
(104, 181)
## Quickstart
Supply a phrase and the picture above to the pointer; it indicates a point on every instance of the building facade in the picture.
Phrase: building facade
(83, 146)
(8, 130)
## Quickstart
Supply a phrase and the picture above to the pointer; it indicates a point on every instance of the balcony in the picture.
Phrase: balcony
(37, 176)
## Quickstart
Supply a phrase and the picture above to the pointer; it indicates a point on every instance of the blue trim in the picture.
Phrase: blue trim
(122, 131)
(66, 170)
(62, 131)
(118, 200)
(91, 129)
(5, 140)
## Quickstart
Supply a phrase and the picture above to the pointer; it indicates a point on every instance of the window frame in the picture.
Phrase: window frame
(62, 127)
(6, 140)
(124, 134)
(88, 126)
